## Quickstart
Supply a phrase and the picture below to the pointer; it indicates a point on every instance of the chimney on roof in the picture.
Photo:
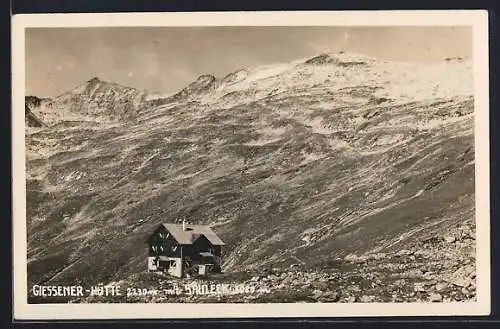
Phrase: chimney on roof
(183, 224)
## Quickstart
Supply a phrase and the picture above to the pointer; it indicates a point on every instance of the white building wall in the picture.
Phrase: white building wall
(175, 269)
(151, 264)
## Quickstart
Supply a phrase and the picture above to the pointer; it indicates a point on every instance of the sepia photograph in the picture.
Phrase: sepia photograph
(253, 163)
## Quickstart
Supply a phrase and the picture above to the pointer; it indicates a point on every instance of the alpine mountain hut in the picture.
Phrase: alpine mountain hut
(177, 248)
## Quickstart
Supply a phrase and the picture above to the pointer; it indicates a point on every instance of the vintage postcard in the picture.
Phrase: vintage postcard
(251, 164)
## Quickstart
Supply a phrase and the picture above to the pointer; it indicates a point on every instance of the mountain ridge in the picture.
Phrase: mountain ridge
(286, 161)
(94, 100)
(211, 90)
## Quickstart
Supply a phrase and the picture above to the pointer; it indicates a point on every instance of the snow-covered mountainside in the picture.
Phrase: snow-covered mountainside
(297, 163)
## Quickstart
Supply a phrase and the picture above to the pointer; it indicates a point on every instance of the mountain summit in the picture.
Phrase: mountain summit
(95, 100)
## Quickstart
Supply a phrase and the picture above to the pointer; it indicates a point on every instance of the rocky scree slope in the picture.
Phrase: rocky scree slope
(298, 163)
(436, 269)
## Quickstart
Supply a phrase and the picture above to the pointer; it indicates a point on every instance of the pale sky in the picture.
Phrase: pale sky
(165, 59)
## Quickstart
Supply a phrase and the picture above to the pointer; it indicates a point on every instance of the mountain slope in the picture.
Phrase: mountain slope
(303, 162)
(31, 119)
